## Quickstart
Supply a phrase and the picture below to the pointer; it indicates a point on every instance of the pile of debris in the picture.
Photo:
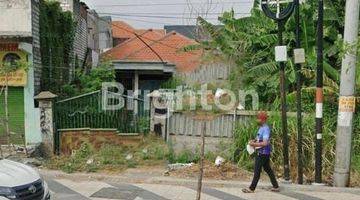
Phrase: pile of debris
(29, 155)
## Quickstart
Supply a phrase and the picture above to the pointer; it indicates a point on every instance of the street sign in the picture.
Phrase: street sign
(280, 54)
(299, 56)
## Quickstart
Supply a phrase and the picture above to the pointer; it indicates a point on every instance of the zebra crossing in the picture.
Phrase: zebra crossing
(100, 190)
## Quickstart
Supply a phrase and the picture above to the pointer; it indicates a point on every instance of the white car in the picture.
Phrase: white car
(19, 181)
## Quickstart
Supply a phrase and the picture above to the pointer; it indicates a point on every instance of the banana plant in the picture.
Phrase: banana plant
(250, 42)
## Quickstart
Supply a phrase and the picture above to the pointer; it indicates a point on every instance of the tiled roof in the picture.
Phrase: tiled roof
(121, 29)
(168, 47)
(160, 31)
(126, 48)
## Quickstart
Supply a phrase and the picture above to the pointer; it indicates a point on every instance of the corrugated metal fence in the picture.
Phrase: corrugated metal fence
(220, 126)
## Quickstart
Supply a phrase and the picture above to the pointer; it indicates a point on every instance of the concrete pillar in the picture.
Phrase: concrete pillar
(45, 100)
(136, 92)
(32, 128)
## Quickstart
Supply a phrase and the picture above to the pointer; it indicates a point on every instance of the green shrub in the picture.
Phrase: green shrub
(172, 83)
(159, 153)
(111, 155)
(244, 133)
(171, 157)
(131, 163)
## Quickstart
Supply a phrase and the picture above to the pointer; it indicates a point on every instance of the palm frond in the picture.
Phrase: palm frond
(264, 69)
(331, 71)
(209, 27)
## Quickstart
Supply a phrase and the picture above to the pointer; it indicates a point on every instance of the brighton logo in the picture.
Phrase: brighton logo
(114, 98)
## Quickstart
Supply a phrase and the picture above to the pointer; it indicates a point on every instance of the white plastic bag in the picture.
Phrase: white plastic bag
(250, 149)
(219, 161)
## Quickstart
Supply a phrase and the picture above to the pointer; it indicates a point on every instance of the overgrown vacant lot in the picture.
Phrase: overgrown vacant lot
(151, 151)
(154, 152)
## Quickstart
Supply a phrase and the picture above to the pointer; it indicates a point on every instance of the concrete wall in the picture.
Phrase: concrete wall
(19, 10)
(32, 114)
(67, 5)
(207, 73)
(105, 34)
(93, 37)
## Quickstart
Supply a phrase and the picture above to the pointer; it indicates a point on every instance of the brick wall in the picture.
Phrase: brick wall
(72, 139)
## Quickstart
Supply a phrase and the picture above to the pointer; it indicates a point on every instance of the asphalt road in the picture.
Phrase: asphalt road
(73, 189)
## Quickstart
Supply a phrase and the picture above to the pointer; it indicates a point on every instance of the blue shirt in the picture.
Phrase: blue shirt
(264, 134)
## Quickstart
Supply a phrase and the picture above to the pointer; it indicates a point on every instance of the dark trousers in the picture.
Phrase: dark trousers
(263, 161)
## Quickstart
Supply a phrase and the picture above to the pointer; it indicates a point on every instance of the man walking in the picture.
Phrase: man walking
(262, 144)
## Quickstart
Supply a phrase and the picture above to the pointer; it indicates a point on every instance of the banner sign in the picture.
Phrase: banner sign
(347, 104)
(18, 78)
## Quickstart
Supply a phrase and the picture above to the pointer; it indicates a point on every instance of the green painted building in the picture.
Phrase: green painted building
(20, 41)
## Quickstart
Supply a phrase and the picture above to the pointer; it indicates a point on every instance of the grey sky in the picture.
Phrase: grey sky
(157, 13)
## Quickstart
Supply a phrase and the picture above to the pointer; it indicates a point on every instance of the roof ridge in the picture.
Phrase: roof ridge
(181, 35)
(158, 41)
(123, 22)
(153, 42)
(126, 42)
(149, 30)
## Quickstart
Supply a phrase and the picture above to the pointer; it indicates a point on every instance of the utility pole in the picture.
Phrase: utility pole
(298, 96)
(280, 11)
(319, 94)
(347, 99)
(283, 108)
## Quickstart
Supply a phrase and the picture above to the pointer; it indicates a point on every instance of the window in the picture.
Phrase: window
(11, 58)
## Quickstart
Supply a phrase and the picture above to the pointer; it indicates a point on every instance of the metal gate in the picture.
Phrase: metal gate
(85, 111)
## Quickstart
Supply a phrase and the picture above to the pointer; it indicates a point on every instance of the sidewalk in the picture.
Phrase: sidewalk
(179, 188)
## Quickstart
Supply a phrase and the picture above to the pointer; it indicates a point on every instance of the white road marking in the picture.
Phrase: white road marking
(85, 188)
(174, 192)
(331, 195)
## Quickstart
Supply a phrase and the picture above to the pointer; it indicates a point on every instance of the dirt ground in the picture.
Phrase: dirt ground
(227, 171)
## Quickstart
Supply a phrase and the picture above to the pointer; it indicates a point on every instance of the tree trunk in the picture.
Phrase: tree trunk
(198, 195)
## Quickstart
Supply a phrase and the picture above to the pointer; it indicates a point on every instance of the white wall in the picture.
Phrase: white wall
(67, 5)
(19, 10)
(32, 114)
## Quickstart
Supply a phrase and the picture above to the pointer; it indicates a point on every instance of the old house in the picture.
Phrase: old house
(20, 42)
(150, 57)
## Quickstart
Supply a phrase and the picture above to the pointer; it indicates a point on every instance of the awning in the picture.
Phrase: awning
(150, 66)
